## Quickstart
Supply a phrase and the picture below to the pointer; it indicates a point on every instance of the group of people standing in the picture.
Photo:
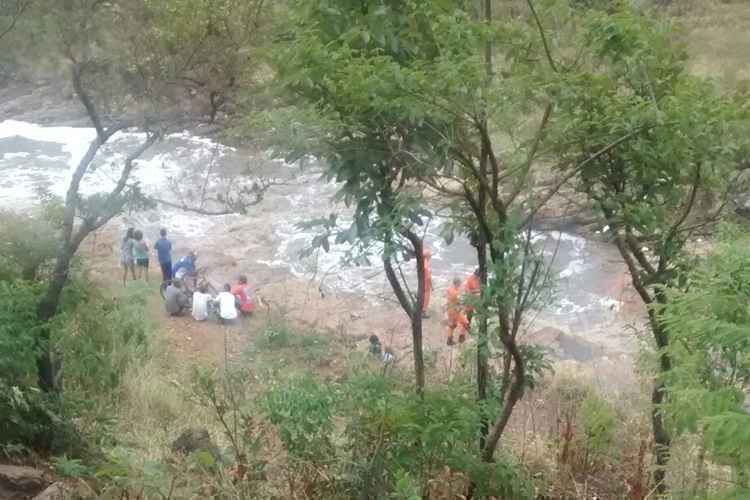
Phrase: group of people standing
(134, 255)
(460, 310)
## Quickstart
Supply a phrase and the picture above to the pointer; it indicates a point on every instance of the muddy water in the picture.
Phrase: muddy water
(586, 320)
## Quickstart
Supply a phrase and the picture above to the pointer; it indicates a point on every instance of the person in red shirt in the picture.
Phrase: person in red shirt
(472, 288)
(427, 254)
(244, 295)
(456, 318)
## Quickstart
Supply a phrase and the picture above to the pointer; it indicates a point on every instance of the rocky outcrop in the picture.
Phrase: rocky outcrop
(20, 483)
(195, 439)
(54, 491)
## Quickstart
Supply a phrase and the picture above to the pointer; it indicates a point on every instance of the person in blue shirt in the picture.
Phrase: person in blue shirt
(184, 267)
(164, 250)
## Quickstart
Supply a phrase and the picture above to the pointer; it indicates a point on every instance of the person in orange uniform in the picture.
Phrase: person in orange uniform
(427, 254)
(456, 318)
(473, 288)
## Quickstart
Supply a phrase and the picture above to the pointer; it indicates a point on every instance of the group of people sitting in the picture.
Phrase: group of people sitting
(227, 305)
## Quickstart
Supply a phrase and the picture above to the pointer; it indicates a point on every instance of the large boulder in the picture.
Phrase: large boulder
(54, 491)
(20, 483)
(195, 439)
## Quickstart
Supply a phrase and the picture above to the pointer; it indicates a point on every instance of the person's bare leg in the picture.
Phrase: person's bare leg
(145, 272)
(132, 269)
(124, 275)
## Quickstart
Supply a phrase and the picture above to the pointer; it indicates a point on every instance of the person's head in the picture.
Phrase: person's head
(476, 272)
(177, 283)
(242, 280)
(427, 253)
(227, 287)
(129, 233)
(456, 281)
(193, 256)
(163, 232)
(138, 235)
(203, 288)
(374, 339)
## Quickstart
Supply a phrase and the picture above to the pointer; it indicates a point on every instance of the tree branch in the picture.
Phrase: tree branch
(77, 71)
(21, 7)
(606, 149)
(543, 36)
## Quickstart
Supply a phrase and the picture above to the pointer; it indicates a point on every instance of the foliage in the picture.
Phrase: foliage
(98, 338)
(401, 444)
(710, 322)
(669, 176)
(27, 243)
(302, 410)
(598, 422)
(18, 346)
(101, 337)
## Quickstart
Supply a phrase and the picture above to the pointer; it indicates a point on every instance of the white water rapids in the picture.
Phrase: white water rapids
(36, 159)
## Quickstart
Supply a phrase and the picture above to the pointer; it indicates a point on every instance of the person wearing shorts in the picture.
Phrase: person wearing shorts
(126, 255)
(140, 254)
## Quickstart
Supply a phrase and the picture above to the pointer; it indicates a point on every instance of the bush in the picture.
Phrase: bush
(27, 243)
(18, 324)
(396, 439)
(101, 338)
(302, 411)
(97, 339)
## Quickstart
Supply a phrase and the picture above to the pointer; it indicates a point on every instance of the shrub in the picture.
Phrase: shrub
(27, 243)
(397, 440)
(18, 347)
(302, 411)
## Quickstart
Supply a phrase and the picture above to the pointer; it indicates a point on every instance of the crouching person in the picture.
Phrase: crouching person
(227, 307)
(201, 303)
(175, 299)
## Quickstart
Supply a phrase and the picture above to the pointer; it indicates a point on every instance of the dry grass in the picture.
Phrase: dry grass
(153, 407)
(717, 34)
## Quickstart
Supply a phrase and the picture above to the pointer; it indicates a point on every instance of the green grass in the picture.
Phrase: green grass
(279, 335)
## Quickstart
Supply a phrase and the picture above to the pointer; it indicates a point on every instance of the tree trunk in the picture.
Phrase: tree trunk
(662, 440)
(483, 368)
(413, 309)
(46, 369)
(514, 395)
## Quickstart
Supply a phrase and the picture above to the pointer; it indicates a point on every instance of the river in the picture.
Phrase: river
(38, 159)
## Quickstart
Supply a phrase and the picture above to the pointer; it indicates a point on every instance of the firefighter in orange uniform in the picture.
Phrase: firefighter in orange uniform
(456, 318)
(473, 288)
(427, 254)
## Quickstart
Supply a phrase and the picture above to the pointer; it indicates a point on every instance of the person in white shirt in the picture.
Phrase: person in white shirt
(227, 306)
(200, 303)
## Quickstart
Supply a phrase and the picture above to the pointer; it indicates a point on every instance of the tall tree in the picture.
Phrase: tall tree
(342, 65)
(648, 191)
(124, 78)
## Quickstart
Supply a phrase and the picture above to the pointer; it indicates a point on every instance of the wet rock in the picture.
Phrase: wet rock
(565, 346)
(18, 483)
(195, 439)
(742, 205)
(54, 491)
